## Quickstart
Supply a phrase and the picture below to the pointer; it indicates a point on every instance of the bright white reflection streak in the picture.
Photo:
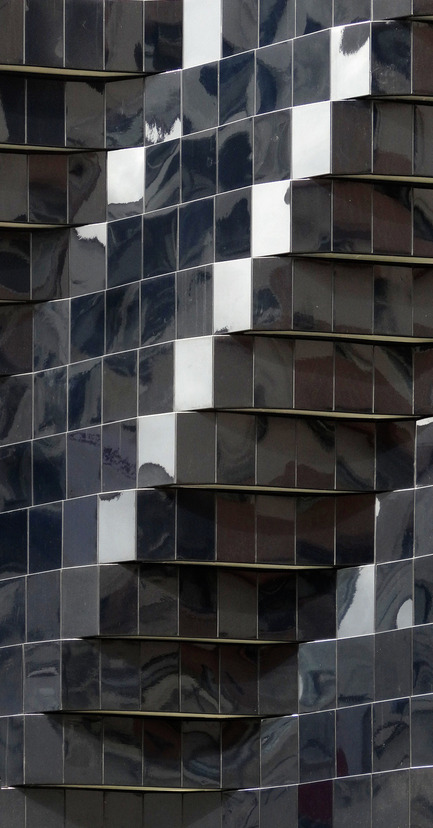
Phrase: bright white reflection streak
(125, 176)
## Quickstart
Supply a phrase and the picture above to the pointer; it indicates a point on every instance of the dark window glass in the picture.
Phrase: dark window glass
(277, 21)
(45, 108)
(44, 32)
(87, 326)
(235, 163)
(123, 36)
(159, 243)
(240, 26)
(79, 532)
(12, 108)
(119, 453)
(272, 147)
(162, 35)
(45, 538)
(311, 79)
(196, 233)
(122, 318)
(200, 97)
(162, 175)
(233, 225)
(236, 96)
(84, 34)
(199, 166)
(120, 386)
(84, 407)
(49, 469)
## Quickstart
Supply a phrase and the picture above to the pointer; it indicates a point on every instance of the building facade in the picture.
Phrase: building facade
(216, 444)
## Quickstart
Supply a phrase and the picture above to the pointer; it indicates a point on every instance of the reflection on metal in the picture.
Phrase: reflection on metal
(216, 363)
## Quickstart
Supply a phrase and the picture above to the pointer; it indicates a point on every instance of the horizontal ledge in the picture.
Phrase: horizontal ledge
(63, 72)
(133, 789)
(380, 258)
(404, 179)
(251, 567)
(408, 98)
(166, 714)
(255, 566)
(339, 415)
(195, 640)
(259, 489)
(334, 335)
(33, 225)
(31, 148)
(45, 149)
